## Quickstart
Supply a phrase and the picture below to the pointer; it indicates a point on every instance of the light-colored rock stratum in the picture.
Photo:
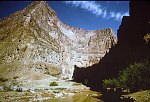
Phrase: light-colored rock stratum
(35, 44)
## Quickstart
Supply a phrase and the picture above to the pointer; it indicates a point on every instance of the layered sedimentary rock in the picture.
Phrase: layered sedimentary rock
(86, 47)
(35, 40)
(132, 46)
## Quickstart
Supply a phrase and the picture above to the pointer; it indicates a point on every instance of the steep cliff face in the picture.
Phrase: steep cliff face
(130, 31)
(34, 40)
(132, 46)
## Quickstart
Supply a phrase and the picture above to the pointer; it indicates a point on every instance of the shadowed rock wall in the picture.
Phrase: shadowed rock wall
(131, 47)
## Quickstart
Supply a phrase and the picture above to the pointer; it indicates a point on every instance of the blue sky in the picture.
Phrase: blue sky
(90, 15)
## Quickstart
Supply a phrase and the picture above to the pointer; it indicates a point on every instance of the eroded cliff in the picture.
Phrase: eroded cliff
(34, 40)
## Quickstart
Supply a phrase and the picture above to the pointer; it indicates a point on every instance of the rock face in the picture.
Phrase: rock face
(34, 40)
(132, 46)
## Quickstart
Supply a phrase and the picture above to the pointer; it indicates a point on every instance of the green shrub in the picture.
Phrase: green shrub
(53, 83)
(15, 77)
(19, 89)
(135, 77)
(3, 79)
(110, 83)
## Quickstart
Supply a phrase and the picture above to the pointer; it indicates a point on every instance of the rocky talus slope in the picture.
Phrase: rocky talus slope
(35, 44)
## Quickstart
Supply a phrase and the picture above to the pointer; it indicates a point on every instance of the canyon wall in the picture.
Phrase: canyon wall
(35, 40)
(132, 46)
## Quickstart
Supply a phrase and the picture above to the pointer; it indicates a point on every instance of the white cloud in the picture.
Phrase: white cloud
(90, 6)
(118, 16)
(96, 9)
(104, 14)
(112, 14)
(126, 14)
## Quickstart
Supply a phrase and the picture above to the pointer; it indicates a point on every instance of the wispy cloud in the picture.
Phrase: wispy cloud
(96, 9)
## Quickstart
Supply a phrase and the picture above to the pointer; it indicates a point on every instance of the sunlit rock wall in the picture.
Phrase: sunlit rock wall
(39, 41)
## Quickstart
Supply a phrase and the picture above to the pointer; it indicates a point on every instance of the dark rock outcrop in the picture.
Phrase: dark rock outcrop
(131, 47)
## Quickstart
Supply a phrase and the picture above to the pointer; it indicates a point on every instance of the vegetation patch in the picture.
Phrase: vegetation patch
(15, 77)
(3, 80)
(19, 89)
(134, 78)
(141, 96)
(53, 83)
